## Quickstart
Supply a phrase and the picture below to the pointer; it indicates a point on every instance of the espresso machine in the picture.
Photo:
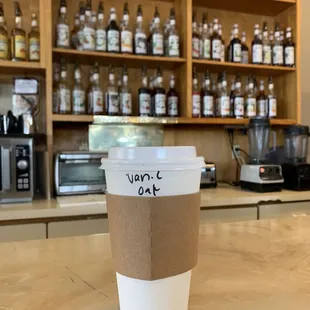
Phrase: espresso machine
(296, 170)
(256, 175)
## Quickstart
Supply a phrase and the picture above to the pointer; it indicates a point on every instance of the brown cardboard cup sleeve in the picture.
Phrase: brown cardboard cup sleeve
(154, 238)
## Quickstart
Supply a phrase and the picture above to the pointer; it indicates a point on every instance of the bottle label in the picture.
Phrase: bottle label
(195, 48)
(101, 39)
(216, 49)
(112, 102)
(63, 35)
(78, 100)
(144, 104)
(272, 107)
(262, 108)
(267, 55)
(251, 107)
(257, 53)
(278, 55)
(173, 46)
(196, 104)
(236, 52)
(245, 57)
(20, 47)
(140, 43)
(89, 39)
(239, 106)
(4, 47)
(34, 49)
(224, 106)
(206, 49)
(64, 100)
(97, 101)
(113, 41)
(158, 44)
(126, 44)
(208, 106)
(160, 104)
(173, 106)
(126, 104)
(290, 55)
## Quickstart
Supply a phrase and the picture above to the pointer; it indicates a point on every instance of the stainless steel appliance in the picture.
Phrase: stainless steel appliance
(79, 173)
(256, 175)
(296, 170)
(16, 169)
(208, 176)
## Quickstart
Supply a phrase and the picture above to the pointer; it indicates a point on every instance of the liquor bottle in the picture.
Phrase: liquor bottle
(205, 39)
(244, 50)
(250, 101)
(144, 95)
(172, 99)
(266, 46)
(101, 35)
(224, 100)
(125, 96)
(262, 103)
(229, 47)
(113, 33)
(207, 97)
(89, 43)
(74, 32)
(112, 100)
(195, 38)
(157, 36)
(4, 40)
(257, 47)
(282, 37)
(151, 88)
(166, 36)
(196, 96)
(160, 95)
(173, 37)
(126, 34)
(89, 93)
(140, 43)
(215, 101)
(232, 97)
(222, 43)
(34, 40)
(236, 46)
(277, 47)
(200, 29)
(78, 93)
(96, 94)
(63, 33)
(64, 90)
(18, 36)
(272, 100)
(289, 49)
(238, 102)
(216, 42)
(149, 38)
(56, 90)
(80, 32)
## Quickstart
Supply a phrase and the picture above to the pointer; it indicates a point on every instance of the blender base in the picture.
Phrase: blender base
(261, 188)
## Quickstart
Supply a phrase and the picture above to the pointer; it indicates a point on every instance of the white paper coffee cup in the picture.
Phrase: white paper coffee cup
(153, 172)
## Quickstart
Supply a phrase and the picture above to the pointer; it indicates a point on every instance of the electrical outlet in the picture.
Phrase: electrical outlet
(236, 149)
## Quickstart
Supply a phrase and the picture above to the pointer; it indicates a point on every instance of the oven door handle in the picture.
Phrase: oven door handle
(6, 179)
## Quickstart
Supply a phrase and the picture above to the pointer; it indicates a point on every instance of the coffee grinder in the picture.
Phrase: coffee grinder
(256, 175)
(296, 170)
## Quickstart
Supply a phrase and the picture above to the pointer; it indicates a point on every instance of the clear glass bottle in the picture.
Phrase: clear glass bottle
(216, 42)
(250, 101)
(166, 36)
(289, 49)
(172, 99)
(74, 32)
(196, 96)
(224, 100)
(101, 35)
(278, 55)
(223, 49)
(63, 32)
(266, 46)
(55, 89)
(144, 95)
(96, 94)
(125, 96)
(173, 37)
(262, 103)
(34, 40)
(257, 47)
(78, 93)
(18, 36)
(238, 102)
(244, 50)
(207, 97)
(195, 37)
(89, 33)
(140, 42)
(157, 36)
(272, 99)
(126, 34)
(160, 95)
(236, 46)
(206, 39)
(4, 40)
(80, 32)
(232, 97)
(64, 90)
(113, 40)
(112, 99)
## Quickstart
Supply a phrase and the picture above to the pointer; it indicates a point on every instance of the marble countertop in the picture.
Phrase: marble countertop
(258, 265)
(223, 196)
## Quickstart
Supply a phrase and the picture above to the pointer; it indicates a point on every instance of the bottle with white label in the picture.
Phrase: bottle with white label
(88, 30)
(272, 100)
(224, 100)
(195, 38)
(112, 100)
(172, 99)
(157, 36)
(205, 39)
(96, 93)
(144, 95)
(289, 49)
(257, 47)
(113, 41)
(262, 104)
(277, 51)
(126, 34)
(80, 32)
(34, 40)
(64, 90)
(196, 96)
(250, 101)
(267, 50)
(125, 95)
(244, 50)
(173, 37)
(101, 35)
(222, 54)
(216, 42)
(160, 95)
(207, 97)
(236, 46)
(78, 93)
(140, 41)
(62, 29)
(238, 101)
(56, 89)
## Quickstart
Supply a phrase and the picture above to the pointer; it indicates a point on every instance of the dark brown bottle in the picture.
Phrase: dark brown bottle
(236, 46)
(207, 97)
(172, 99)
(160, 95)
(113, 35)
(144, 95)
(257, 47)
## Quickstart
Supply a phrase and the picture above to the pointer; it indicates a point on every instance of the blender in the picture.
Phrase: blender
(256, 175)
(296, 170)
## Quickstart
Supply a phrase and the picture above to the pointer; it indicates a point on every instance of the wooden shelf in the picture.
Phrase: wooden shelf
(18, 67)
(263, 7)
(87, 58)
(233, 68)
(159, 120)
